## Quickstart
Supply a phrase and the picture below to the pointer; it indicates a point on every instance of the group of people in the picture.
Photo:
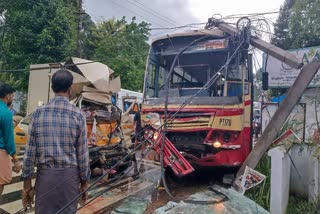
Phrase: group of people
(57, 146)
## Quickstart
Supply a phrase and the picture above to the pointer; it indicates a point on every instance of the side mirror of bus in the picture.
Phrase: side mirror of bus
(265, 84)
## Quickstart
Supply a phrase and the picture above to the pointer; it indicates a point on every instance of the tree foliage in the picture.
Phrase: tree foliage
(123, 47)
(281, 28)
(298, 24)
(86, 35)
(38, 31)
(43, 31)
(304, 26)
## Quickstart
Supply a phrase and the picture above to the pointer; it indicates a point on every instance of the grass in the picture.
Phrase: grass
(261, 193)
(298, 205)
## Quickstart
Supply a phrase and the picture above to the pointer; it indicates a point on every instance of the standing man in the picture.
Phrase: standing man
(57, 145)
(7, 146)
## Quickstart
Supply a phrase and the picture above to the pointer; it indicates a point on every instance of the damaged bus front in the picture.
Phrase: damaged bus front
(210, 100)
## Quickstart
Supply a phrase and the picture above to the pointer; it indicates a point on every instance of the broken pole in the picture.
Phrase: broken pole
(282, 55)
(264, 142)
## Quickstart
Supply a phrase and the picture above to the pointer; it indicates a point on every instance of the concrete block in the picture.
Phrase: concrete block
(280, 180)
(314, 184)
(305, 172)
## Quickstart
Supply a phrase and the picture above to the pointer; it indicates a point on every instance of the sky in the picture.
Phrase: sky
(167, 13)
(171, 13)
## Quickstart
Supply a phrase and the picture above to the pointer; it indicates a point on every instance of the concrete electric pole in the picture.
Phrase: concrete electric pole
(295, 92)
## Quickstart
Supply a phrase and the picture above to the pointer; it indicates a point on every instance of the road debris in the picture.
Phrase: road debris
(236, 204)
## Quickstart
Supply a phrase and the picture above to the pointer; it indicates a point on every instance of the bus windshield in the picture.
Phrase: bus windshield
(192, 71)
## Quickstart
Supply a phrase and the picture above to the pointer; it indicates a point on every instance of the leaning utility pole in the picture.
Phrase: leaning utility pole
(295, 92)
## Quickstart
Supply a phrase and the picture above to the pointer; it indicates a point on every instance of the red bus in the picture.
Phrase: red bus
(207, 124)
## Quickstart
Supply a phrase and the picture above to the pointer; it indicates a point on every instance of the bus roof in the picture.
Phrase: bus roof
(202, 32)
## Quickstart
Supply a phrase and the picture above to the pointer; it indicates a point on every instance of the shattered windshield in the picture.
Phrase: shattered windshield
(191, 78)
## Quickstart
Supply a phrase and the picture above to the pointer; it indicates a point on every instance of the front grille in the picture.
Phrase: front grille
(188, 122)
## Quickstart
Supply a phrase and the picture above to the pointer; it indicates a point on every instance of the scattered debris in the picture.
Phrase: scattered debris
(132, 205)
(250, 178)
(237, 203)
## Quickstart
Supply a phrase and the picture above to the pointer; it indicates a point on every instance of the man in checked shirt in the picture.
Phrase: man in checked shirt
(57, 146)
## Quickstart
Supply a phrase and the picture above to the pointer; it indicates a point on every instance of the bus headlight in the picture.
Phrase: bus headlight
(216, 144)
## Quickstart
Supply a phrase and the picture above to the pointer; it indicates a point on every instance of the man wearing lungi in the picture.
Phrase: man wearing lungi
(7, 146)
(57, 145)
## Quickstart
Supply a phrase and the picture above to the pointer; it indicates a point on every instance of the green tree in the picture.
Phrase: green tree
(88, 27)
(123, 46)
(37, 31)
(304, 26)
(281, 28)
(298, 24)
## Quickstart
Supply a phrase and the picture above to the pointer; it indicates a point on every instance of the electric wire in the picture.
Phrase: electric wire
(259, 65)
(179, 27)
(99, 179)
(107, 189)
(67, 65)
(40, 197)
(25, 69)
(209, 83)
(109, 170)
(102, 176)
(166, 111)
(139, 15)
(164, 123)
(150, 13)
(256, 28)
(156, 12)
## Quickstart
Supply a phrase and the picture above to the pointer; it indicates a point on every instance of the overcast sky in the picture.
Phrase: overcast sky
(167, 13)
(170, 13)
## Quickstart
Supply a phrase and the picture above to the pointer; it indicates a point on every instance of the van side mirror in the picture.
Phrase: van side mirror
(265, 83)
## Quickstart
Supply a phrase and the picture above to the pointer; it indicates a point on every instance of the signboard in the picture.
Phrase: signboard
(210, 45)
(283, 76)
(250, 178)
(288, 137)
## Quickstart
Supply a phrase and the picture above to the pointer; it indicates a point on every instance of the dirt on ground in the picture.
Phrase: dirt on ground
(182, 188)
